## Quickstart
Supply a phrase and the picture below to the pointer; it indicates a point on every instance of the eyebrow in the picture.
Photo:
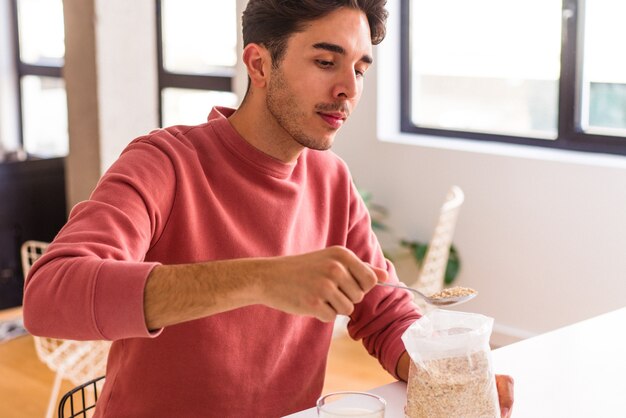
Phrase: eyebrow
(339, 50)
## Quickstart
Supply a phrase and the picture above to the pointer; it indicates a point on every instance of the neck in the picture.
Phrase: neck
(261, 130)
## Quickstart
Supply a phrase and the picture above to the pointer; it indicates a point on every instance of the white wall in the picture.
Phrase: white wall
(542, 234)
(127, 72)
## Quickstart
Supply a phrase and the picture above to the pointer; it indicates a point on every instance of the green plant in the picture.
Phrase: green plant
(417, 249)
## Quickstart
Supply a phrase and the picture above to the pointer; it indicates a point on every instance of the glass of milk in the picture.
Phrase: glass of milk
(351, 404)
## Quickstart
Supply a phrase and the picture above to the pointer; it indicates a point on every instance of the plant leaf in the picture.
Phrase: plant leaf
(419, 252)
(453, 266)
(451, 271)
(378, 225)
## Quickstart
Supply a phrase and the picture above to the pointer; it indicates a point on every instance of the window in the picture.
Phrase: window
(197, 41)
(603, 90)
(540, 72)
(42, 103)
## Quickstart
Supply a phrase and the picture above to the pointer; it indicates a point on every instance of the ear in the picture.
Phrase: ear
(258, 61)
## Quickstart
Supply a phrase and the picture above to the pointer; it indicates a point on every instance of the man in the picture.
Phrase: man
(216, 257)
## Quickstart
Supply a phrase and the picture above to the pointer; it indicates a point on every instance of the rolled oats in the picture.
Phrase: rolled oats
(453, 292)
(456, 387)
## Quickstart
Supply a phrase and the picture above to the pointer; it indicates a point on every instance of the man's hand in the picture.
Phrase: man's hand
(322, 284)
(504, 384)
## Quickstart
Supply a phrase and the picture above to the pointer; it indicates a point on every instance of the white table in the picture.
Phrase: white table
(578, 371)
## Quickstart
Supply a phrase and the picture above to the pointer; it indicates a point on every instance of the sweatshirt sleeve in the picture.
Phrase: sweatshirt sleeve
(89, 284)
(385, 313)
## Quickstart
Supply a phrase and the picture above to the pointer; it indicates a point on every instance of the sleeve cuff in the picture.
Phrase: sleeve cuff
(394, 351)
(118, 300)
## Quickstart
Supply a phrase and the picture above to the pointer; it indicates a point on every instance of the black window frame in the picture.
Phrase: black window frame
(570, 133)
(23, 69)
(217, 80)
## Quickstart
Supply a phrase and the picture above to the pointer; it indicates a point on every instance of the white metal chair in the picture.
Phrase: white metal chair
(76, 361)
(433, 268)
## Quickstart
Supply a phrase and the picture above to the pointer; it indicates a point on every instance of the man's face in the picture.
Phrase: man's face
(319, 80)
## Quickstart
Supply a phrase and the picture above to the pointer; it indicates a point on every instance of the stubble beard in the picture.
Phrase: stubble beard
(282, 105)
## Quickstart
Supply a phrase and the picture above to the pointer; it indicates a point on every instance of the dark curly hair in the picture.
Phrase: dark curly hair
(271, 22)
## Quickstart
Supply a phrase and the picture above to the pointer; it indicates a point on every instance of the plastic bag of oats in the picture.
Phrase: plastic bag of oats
(450, 374)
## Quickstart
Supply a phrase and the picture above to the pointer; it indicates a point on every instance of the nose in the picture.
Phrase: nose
(347, 85)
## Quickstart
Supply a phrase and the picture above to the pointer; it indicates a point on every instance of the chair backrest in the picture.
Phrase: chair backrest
(31, 251)
(433, 268)
(81, 401)
(77, 361)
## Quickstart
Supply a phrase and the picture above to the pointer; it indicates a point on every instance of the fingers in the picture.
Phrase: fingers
(382, 275)
(349, 286)
(505, 384)
(326, 313)
(340, 304)
(321, 284)
(345, 281)
(365, 275)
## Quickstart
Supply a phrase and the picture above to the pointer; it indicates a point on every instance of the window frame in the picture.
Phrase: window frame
(570, 135)
(219, 79)
(23, 69)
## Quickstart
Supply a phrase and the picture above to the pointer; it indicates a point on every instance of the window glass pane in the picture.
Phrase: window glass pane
(191, 107)
(42, 40)
(604, 69)
(44, 108)
(476, 66)
(198, 35)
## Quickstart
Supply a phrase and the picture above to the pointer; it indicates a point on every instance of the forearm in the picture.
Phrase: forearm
(321, 284)
(179, 293)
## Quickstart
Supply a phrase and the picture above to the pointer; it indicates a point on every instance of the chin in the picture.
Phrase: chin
(324, 145)
(321, 142)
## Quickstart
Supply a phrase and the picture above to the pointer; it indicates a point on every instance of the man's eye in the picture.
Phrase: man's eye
(360, 71)
(324, 64)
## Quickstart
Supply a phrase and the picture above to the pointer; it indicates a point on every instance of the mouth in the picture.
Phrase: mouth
(334, 119)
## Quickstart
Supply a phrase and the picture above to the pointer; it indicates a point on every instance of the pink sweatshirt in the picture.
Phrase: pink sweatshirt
(193, 194)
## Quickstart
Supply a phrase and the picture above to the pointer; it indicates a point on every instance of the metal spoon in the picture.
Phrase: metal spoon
(448, 301)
